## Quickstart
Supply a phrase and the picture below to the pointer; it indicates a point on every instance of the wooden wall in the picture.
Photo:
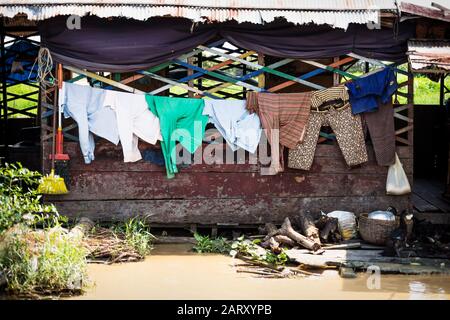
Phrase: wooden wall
(108, 189)
(230, 194)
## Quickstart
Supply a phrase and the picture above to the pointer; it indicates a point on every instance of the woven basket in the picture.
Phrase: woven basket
(376, 231)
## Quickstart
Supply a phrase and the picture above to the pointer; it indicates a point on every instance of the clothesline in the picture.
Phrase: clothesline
(291, 120)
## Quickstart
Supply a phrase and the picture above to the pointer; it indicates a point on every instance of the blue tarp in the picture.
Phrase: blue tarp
(20, 57)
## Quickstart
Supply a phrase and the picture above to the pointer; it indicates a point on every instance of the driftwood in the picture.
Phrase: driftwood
(287, 230)
(354, 245)
(306, 223)
(272, 244)
(82, 228)
(271, 230)
(106, 246)
(285, 240)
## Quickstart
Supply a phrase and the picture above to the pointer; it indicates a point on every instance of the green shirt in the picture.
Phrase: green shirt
(180, 120)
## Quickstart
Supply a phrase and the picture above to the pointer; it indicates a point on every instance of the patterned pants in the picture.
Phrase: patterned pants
(349, 135)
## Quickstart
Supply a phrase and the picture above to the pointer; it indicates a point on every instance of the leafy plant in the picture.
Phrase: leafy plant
(250, 249)
(276, 259)
(137, 235)
(207, 245)
(44, 261)
(19, 200)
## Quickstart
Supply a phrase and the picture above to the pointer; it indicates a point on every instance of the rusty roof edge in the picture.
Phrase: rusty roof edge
(327, 5)
(417, 10)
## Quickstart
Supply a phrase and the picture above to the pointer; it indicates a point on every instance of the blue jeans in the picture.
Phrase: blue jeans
(368, 92)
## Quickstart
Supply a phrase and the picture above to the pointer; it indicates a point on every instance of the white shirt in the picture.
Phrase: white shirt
(134, 120)
(86, 106)
(238, 127)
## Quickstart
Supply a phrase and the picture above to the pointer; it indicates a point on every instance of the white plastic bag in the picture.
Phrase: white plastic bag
(346, 223)
(397, 182)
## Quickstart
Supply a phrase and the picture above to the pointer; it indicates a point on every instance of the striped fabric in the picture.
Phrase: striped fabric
(288, 112)
(318, 98)
(284, 117)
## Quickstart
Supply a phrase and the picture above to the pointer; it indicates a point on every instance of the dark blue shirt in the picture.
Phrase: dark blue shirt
(368, 92)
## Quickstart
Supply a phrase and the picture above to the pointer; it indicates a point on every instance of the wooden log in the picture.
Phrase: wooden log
(306, 223)
(271, 231)
(83, 227)
(285, 240)
(344, 246)
(272, 244)
(287, 230)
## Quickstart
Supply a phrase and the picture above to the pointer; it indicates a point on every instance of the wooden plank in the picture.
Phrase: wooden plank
(266, 69)
(432, 193)
(103, 79)
(422, 205)
(223, 211)
(190, 185)
(309, 75)
(191, 75)
(328, 159)
(362, 259)
(424, 11)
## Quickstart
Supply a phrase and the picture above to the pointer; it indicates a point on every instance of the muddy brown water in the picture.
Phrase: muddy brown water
(174, 272)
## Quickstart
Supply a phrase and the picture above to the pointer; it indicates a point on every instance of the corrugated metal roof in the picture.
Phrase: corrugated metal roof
(228, 4)
(440, 11)
(337, 13)
(429, 55)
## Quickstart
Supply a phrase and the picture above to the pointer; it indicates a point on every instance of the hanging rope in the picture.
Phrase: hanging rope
(44, 68)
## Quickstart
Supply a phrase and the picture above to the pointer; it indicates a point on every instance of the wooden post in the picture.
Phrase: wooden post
(336, 76)
(261, 77)
(4, 90)
(410, 101)
(190, 72)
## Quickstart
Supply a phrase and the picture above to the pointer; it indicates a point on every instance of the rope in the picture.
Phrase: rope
(45, 66)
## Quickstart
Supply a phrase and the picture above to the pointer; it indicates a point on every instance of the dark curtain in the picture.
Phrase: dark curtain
(122, 45)
(315, 42)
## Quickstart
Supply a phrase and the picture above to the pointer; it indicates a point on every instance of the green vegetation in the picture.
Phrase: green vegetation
(426, 91)
(241, 246)
(19, 200)
(251, 249)
(207, 245)
(136, 234)
(42, 262)
(21, 103)
(36, 254)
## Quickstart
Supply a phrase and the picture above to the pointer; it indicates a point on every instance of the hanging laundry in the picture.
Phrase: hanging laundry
(181, 120)
(284, 118)
(239, 128)
(346, 127)
(86, 106)
(154, 156)
(134, 120)
(380, 125)
(366, 93)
